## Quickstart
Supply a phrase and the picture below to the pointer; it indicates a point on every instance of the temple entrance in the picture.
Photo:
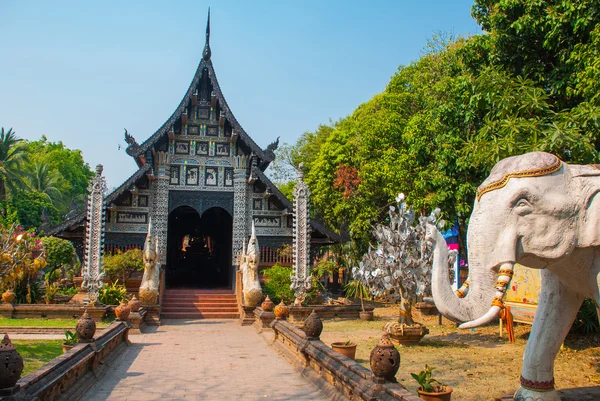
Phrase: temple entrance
(199, 248)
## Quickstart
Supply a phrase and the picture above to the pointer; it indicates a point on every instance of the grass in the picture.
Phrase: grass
(37, 353)
(42, 322)
(468, 360)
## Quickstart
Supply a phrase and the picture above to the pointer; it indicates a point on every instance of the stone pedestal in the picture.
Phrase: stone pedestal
(263, 320)
(152, 315)
(247, 315)
(136, 319)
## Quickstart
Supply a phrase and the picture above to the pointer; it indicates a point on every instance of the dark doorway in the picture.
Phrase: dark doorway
(199, 249)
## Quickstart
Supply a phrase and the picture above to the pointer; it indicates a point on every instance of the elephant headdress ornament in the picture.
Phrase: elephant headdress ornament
(542, 213)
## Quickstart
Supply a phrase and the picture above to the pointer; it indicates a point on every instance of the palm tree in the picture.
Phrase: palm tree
(41, 178)
(12, 154)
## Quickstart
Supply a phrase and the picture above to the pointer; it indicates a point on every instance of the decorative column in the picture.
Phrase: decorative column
(301, 280)
(240, 207)
(160, 204)
(93, 271)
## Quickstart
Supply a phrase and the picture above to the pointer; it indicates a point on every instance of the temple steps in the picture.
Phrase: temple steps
(199, 304)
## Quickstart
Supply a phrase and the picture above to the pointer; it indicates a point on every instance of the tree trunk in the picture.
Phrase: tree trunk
(2, 190)
(406, 312)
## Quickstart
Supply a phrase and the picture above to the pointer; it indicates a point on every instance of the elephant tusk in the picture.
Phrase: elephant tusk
(485, 319)
(462, 291)
(505, 274)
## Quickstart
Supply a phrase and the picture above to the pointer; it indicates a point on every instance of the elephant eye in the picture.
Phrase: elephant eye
(522, 203)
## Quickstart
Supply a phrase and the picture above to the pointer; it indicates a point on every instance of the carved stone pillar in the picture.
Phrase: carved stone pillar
(93, 270)
(240, 207)
(160, 203)
(301, 280)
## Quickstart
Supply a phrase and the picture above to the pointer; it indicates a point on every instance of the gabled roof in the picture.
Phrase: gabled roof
(265, 156)
(316, 224)
(79, 218)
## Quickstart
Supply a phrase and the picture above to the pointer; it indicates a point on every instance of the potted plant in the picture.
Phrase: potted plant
(356, 289)
(431, 389)
(51, 291)
(347, 348)
(70, 341)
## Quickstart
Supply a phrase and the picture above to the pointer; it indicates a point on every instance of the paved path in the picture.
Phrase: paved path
(201, 360)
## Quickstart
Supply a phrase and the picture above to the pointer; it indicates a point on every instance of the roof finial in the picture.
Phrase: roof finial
(206, 53)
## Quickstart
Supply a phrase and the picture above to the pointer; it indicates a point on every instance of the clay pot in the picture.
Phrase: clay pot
(313, 326)
(441, 396)
(267, 305)
(346, 350)
(365, 315)
(12, 364)
(134, 304)
(281, 311)
(122, 311)
(86, 328)
(66, 347)
(385, 360)
(9, 296)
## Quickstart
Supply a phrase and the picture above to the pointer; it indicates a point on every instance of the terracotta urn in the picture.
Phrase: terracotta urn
(9, 296)
(12, 364)
(313, 326)
(86, 328)
(281, 311)
(134, 304)
(122, 311)
(385, 360)
(267, 305)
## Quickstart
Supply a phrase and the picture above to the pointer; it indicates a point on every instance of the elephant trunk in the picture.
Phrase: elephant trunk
(481, 290)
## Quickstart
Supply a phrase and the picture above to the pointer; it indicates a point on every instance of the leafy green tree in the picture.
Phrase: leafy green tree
(60, 253)
(43, 180)
(31, 205)
(121, 264)
(12, 154)
(64, 169)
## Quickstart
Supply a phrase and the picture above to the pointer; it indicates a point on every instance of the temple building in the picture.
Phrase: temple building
(201, 179)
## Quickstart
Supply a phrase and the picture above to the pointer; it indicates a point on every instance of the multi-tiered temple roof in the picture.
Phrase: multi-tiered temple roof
(203, 112)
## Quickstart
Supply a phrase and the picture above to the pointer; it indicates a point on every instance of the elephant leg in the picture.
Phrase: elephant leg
(555, 313)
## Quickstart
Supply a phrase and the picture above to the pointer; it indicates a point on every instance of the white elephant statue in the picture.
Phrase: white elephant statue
(542, 213)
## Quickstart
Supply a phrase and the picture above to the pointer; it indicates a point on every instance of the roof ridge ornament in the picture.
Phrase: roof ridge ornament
(207, 53)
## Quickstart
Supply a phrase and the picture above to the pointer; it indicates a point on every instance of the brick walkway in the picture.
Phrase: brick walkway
(201, 360)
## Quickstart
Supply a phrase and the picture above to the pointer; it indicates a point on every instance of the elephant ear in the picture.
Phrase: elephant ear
(587, 186)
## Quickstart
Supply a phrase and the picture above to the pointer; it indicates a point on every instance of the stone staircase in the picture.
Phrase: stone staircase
(199, 304)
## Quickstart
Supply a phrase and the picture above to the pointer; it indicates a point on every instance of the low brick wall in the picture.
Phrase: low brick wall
(69, 375)
(39, 330)
(339, 377)
(53, 311)
(298, 314)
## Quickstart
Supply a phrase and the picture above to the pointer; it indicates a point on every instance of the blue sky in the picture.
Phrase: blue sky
(80, 72)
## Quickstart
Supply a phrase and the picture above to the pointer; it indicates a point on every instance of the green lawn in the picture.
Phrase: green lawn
(69, 323)
(37, 353)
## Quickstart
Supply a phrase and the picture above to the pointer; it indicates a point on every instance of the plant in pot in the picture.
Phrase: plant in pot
(347, 348)
(356, 289)
(431, 389)
(70, 340)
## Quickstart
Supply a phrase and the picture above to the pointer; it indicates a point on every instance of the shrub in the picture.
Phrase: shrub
(27, 290)
(22, 255)
(51, 291)
(120, 265)
(586, 321)
(67, 291)
(112, 294)
(277, 285)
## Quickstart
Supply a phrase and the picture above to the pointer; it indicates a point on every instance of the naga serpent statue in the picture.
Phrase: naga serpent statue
(250, 284)
(151, 278)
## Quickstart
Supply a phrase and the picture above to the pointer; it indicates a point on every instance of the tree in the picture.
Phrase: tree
(12, 154)
(31, 205)
(43, 180)
(64, 168)
(400, 266)
(60, 254)
(21, 255)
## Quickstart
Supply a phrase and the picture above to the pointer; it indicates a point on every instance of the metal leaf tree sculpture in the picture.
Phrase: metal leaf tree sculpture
(399, 268)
